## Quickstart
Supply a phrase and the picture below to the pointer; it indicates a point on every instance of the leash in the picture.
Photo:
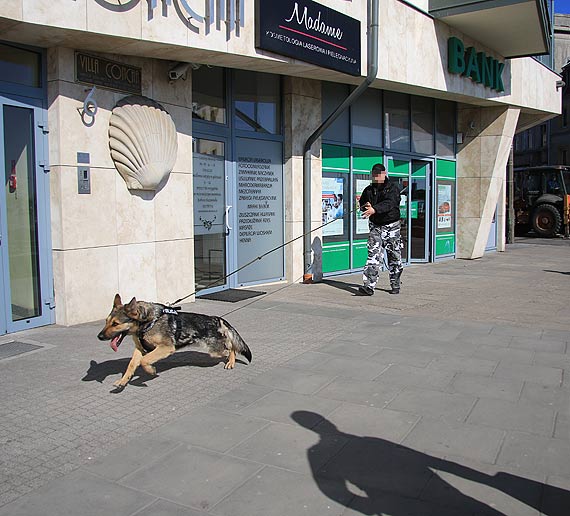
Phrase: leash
(261, 256)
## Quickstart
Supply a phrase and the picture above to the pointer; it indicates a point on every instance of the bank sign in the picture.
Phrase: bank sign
(310, 32)
(478, 66)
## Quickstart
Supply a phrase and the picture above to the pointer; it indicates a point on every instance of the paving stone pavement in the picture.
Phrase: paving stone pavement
(450, 399)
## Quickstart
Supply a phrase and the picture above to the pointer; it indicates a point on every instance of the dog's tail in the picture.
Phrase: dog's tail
(238, 343)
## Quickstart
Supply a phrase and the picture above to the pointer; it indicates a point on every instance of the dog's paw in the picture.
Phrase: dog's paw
(119, 384)
(229, 365)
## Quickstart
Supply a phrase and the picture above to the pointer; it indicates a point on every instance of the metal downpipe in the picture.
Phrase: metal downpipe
(372, 71)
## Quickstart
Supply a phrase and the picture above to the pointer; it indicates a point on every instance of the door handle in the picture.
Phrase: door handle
(228, 227)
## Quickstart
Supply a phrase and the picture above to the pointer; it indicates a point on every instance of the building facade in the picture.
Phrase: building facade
(157, 148)
(548, 143)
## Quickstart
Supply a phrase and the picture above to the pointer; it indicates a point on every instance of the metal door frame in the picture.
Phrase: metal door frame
(41, 177)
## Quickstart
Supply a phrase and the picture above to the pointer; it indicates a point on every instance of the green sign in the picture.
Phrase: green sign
(478, 66)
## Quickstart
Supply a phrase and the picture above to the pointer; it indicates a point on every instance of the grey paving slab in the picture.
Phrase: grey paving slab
(405, 376)
(239, 398)
(279, 405)
(560, 360)
(192, 477)
(485, 387)
(562, 427)
(131, 456)
(293, 380)
(445, 438)
(343, 348)
(563, 335)
(358, 420)
(346, 367)
(496, 341)
(536, 454)
(210, 428)
(370, 393)
(166, 508)
(538, 344)
(434, 404)
(375, 465)
(288, 447)
(517, 331)
(79, 493)
(420, 342)
(542, 375)
(524, 416)
(276, 492)
(557, 398)
(406, 357)
(465, 364)
(507, 354)
(307, 360)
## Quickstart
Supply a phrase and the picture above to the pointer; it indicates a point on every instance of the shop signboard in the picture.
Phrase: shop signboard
(310, 32)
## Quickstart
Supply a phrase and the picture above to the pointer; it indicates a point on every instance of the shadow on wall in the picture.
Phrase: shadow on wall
(374, 476)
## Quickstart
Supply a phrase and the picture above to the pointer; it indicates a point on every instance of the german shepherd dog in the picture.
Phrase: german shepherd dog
(158, 331)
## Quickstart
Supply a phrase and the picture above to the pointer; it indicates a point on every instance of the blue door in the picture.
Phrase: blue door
(25, 248)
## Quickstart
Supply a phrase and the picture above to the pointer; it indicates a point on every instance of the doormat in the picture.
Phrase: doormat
(232, 295)
(11, 349)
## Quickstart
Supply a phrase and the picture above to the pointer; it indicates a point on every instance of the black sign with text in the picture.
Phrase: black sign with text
(107, 74)
(310, 32)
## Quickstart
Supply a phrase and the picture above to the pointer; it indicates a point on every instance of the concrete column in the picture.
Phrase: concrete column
(481, 169)
(302, 115)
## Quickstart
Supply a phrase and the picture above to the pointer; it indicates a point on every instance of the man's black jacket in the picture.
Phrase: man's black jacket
(385, 199)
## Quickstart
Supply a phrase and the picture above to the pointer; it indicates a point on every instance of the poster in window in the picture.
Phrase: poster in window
(444, 207)
(361, 224)
(209, 203)
(333, 209)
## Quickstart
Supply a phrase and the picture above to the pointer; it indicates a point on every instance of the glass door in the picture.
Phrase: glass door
(212, 217)
(420, 211)
(25, 256)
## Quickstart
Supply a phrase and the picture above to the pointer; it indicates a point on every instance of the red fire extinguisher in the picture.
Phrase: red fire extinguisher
(13, 179)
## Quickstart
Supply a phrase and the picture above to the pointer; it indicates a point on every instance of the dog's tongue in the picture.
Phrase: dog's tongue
(115, 343)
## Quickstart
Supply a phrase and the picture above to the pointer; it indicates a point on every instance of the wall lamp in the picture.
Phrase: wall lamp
(560, 84)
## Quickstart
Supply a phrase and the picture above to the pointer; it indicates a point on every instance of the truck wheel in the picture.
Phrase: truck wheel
(546, 220)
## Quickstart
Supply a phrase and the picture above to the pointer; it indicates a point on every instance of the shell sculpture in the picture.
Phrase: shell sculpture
(143, 142)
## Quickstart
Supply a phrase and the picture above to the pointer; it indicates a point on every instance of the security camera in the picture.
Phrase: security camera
(178, 71)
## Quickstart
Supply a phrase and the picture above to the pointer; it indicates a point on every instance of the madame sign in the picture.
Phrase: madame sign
(478, 66)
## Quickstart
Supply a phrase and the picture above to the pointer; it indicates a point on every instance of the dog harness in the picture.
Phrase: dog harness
(173, 317)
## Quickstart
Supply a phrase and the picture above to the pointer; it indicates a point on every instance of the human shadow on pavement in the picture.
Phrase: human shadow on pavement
(558, 272)
(352, 288)
(99, 371)
(374, 476)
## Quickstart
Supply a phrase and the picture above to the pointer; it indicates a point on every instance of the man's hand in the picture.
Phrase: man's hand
(367, 210)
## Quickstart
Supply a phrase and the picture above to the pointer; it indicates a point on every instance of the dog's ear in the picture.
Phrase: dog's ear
(136, 310)
(117, 302)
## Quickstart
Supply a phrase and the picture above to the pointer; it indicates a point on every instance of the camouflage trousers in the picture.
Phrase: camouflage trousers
(383, 239)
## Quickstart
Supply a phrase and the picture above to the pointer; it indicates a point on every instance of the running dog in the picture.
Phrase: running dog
(158, 331)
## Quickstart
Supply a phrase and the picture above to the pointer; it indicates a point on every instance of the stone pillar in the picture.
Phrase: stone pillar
(302, 115)
(481, 171)
(137, 243)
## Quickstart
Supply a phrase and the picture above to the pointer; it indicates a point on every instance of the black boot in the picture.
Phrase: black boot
(395, 283)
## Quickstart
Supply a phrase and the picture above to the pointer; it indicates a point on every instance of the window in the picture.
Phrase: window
(445, 128)
(333, 95)
(208, 94)
(257, 102)
(397, 124)
(422, 125)
(20, 66)
(366, 114)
